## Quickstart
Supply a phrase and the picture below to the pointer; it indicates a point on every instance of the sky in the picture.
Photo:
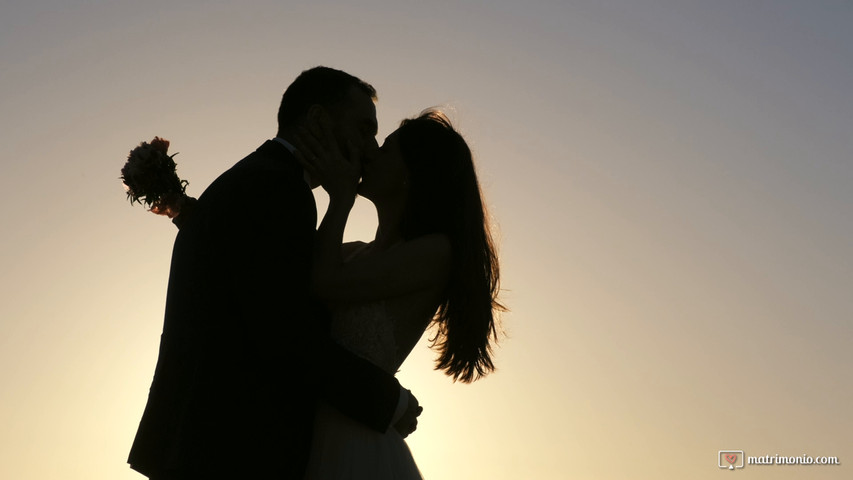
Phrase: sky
(669, 183)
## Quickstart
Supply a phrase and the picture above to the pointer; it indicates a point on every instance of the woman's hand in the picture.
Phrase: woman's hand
(322, 159)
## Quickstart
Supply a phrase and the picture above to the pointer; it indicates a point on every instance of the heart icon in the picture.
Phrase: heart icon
(731, 458)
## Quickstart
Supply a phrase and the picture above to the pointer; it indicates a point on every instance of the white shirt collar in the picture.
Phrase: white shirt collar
(286, 144)
(292, 149)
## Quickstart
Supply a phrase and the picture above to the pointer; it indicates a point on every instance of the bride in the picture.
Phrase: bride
(432, 263)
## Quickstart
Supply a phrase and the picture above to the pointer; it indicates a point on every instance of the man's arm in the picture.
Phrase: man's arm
(274, 269)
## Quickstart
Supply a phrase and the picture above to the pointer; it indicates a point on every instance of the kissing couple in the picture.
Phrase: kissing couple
(280, 341)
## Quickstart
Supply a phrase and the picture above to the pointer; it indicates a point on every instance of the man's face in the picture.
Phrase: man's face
(355, 123)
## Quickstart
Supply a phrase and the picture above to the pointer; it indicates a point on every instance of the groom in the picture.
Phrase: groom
(245, 350)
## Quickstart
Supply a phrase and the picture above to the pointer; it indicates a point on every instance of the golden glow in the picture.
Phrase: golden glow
(671, 187)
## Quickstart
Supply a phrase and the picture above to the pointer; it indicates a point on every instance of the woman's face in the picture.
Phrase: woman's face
(385, 176)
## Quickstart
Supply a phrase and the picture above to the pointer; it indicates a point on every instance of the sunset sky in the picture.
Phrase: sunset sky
(671, 183)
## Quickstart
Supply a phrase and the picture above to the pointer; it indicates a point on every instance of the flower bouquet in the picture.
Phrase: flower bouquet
(150, 177)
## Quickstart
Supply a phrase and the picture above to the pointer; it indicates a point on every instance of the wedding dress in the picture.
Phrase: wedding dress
(343, 449)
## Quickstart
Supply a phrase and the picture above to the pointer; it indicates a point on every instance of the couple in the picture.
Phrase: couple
(280, 342)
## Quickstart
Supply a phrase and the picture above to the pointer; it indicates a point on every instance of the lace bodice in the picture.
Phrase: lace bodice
(368, 331)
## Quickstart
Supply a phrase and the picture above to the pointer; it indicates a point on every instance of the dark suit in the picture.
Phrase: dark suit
(245, 351)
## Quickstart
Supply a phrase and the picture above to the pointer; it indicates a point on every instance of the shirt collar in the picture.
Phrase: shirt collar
(292, 149)
(286, 144)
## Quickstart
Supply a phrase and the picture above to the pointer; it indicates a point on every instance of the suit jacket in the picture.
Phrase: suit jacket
(245, 350)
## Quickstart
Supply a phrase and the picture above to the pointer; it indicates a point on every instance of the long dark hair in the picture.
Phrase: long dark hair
(445, 197)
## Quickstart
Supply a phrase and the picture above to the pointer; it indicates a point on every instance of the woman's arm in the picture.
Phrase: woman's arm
(349, 249)
(416, 265)
(419, 264)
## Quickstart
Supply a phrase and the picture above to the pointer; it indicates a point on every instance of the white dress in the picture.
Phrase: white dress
(342, 448)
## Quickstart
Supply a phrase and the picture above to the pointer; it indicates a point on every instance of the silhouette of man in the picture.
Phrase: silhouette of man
(245, 350)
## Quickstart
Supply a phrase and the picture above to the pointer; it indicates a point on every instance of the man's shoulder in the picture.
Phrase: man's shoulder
(269, 162)
(269, 182)
(271, 156)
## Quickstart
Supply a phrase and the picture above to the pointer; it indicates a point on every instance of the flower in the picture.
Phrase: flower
(150, 175)
(160, 144)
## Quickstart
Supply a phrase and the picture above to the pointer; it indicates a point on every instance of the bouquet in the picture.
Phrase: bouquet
(150, 177)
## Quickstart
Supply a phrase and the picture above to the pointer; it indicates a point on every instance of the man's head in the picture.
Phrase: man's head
(344, 99)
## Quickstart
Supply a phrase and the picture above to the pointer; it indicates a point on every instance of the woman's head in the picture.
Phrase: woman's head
(427, 165)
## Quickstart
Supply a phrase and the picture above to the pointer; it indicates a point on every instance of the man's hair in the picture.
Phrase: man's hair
(317, 86)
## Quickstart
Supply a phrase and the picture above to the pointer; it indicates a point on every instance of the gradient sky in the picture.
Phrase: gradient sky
(670, 182)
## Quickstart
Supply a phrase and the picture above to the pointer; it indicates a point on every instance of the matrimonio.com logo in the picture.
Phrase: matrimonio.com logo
(730, 459)
(735, 459)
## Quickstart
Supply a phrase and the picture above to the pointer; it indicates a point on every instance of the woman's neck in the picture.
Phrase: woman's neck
(389, 231)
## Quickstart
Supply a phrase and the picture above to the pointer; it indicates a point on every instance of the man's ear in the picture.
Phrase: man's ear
(316, 118)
